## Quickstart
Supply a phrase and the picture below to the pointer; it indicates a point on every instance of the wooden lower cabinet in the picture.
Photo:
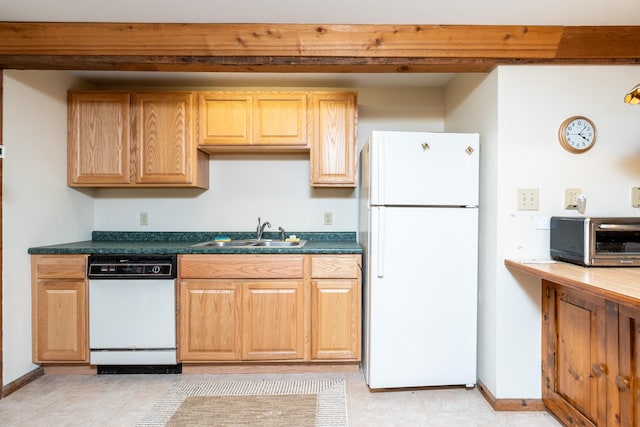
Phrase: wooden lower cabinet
(209, 316)
(60, 309)
(590, 366)
(627, 378)
(335, 319)
(269, 308)
(336, 294)
(273, 313)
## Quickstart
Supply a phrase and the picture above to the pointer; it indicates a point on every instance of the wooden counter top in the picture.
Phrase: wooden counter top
(621, 285)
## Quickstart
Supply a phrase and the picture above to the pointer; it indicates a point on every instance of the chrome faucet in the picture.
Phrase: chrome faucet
(281, 230)
(260, 229)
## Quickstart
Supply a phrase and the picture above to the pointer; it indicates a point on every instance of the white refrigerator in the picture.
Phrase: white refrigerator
(418, 225)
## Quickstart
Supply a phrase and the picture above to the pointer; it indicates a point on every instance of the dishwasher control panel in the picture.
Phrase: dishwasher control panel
(132, 267)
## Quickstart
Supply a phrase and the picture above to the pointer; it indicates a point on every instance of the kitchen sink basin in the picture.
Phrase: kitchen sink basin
(226, 243)
(279, 243)
(250, 243)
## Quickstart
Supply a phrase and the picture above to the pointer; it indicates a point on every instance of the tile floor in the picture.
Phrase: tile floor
(122, 400)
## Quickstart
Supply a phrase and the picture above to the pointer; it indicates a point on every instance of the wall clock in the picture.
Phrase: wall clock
(577, 134)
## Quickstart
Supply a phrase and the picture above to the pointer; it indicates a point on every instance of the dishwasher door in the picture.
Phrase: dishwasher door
(132, 322)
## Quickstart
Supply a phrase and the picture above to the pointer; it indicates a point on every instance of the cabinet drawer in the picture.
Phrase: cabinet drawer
(59, 266)
(335, 266)
(241, 266)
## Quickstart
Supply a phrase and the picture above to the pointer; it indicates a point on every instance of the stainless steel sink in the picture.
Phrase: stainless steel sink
(227, 243)
(279, 243)
(250, 243)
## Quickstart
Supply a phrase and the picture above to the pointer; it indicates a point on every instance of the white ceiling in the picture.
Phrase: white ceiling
(485, 12)
(520, 12)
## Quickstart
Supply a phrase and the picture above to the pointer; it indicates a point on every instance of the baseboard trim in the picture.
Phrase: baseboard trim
(17, 384)
(510, 404)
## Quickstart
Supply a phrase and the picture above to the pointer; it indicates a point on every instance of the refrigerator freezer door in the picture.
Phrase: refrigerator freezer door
(420, 315)
(424, 169)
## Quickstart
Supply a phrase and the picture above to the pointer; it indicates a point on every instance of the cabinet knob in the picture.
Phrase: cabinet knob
(599, 369)
(622, 382)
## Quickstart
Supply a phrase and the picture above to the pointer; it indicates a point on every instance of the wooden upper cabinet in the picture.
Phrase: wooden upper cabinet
(140, 139)
(99, 138)
(333, 146)
(225, 118)
(163, 138)
(252, 120)
(280, 119)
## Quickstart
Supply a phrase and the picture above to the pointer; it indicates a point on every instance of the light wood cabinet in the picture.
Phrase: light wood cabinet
(210, 320)
(335, 307)
(99, 138)
(225, 119)
(59, 308)
(333, 143)
(133, 139)
(253, 120)
(259, 301)
(273, 314)
(269, 307)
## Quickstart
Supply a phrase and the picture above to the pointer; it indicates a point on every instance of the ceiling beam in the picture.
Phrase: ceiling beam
(307, 47)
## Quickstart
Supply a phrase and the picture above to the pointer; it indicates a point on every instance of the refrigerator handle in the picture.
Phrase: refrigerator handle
(381, 237)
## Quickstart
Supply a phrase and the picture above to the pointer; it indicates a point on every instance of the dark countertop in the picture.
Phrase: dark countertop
(123, 242)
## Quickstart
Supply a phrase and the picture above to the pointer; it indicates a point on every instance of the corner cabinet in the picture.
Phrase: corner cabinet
(590, 358)
(333, 147)
(59, 308)
(133, 139)
(263, 307)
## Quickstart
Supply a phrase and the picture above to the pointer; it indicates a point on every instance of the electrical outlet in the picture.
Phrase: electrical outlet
(528, 199)
(635, 197)
(328, 218)
(144, 218)
(571, 198)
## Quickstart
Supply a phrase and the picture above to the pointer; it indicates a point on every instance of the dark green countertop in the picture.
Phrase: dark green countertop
(123, 242)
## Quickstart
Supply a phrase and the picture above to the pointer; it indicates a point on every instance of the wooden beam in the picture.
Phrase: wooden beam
(307, 47)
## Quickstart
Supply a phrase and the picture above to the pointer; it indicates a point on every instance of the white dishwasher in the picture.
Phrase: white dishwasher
(132, 313)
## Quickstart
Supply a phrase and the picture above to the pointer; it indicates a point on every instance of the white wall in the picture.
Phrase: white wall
(471, 105)
(276, 188)
(38, 208)
(532, 101)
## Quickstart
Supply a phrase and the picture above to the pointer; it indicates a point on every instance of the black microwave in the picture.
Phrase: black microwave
(596, 242)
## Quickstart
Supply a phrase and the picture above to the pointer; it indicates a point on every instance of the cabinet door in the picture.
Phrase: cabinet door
(627, 377)
(60, 317)
(335, 319)
(273, 320)
(574, 370)
(98, 138)
(225, 118)
(209, 320)
(164, 145)
(280, 119)
(333, 143)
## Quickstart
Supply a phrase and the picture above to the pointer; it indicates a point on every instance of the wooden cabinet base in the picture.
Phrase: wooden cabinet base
(270, 368)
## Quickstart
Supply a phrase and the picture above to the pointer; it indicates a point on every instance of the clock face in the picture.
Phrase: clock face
(577, 134)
